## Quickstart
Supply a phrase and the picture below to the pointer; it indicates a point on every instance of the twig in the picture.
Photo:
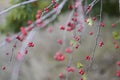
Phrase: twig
(96, 39)
(29, 38)
(32, 26)
(92, 5)
(17, 5)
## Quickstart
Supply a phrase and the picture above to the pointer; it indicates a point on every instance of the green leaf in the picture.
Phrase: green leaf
(84, 77)
(79, 65)
(90, 22)
(73, 42)
(116, 35)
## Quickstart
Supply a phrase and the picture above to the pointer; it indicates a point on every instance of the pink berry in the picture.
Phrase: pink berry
(90, 33)
(68, 50)
(19, 56)
(118, 63)
(8, 39)
(3, 67)
(87, 57)
(38, 16)
(62, 28)
(59, 56)
(61, 75)
(46, 9)
(7, 53)
(39, 12)
(29, 22)
(59, 41)
(81, 72)
(101, 43)
(23, 31)
(81, 78)
(116, 46)
(62, 58)
(50, 29)
(102, 24)
(94, 18)
(30, 44)
(113, 25)
(70, 69)
(118, 73)
(69, 29)
(26, 51)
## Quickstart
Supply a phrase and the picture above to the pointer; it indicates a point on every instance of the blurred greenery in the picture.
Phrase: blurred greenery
(19, 16)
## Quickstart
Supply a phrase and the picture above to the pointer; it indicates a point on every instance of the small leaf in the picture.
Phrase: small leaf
(116, 35)
(90, 22)
(73, 43)
(84, 77)
(79, 65)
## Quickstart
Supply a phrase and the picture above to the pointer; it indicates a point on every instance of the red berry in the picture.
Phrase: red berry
(55, 6)
(101, 43)
(62, 28)
(118, 73)
(53, 1)
(113, 25)
(102, 24)
(69, 29)
(70, 69)
(94, 18)
(59, 41)
(38, 16)
(118, 63)
(39, 12)
(8, 39)
(26, 51)
(50, 29)
(46, 9)
(81, 78)
(62, 58)
(19, 56)
(29, 22)
(68, 50)
(90, 33)
(70, 7)
(61, 75)
(30, 44)
(7, 53)
(87, 57)
(23, 31)
(77, 46)
(116, 46)
(59, 56)
(81, 72)
(3, 67)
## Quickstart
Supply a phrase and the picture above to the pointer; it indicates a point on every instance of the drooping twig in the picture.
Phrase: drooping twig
(32, 25)
(29, 38)
(96, 39)
(92, 5)
(17, 5)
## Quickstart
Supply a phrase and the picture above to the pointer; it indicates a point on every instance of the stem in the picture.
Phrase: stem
(96, 39)
(17, 5)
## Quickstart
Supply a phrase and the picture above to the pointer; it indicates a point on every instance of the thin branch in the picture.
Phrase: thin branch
(92, 4)
(17, 5)
(29, 38)
(32, 25)
(97, 38)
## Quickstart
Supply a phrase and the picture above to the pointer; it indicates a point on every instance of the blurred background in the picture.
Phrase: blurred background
(39, 64)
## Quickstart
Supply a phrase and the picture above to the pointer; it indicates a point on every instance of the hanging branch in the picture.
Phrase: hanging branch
(30, 37)
(96, 39)
(17, 5)
(91, 5)
(31, 26)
